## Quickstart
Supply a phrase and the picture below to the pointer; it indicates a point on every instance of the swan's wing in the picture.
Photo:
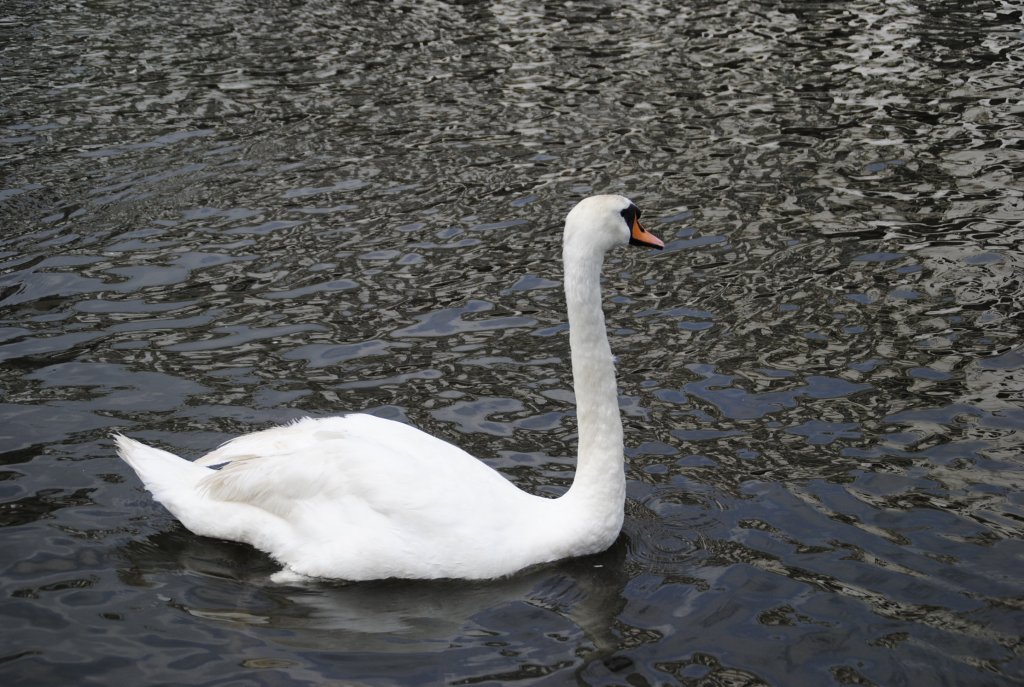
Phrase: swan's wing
(347, 466)
(283, 438)
(360, 497)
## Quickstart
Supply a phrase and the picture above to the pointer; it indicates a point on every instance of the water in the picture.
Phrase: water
(221, 216)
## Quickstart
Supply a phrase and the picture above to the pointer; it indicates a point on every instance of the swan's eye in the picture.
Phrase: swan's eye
(631, 214)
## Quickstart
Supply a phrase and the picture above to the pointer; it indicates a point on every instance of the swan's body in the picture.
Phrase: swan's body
(359, 497)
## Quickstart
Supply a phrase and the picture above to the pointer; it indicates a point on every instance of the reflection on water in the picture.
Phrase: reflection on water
(222, 217)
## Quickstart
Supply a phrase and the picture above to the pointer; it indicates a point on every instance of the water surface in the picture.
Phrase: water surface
(221, 216)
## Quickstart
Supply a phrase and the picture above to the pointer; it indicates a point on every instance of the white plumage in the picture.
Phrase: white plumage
(359, 497)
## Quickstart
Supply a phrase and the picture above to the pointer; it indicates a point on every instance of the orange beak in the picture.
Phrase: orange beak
(638, 236)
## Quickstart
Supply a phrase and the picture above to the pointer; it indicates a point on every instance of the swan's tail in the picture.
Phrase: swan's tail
(177, 484)
(166, 476)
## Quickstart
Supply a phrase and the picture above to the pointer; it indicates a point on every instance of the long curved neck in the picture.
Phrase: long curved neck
(600, 483)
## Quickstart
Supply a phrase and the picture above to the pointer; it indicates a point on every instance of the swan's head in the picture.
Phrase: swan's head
(602, 222)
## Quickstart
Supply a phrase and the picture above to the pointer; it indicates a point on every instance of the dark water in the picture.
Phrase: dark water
(220, 216)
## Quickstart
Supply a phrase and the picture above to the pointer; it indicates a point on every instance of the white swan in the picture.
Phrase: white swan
(358, 497)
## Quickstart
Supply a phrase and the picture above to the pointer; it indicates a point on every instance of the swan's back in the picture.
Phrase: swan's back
(385, 464)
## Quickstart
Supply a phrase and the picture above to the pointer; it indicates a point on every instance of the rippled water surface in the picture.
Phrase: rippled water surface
(219, 216)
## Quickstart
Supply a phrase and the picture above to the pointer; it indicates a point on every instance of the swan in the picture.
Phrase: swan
(357, 497)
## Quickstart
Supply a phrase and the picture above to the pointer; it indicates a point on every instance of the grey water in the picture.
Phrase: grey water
(216, 217)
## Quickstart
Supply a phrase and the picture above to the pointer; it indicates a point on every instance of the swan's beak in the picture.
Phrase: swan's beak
(638, 236)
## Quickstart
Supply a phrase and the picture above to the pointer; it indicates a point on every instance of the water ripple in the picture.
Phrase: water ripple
(220, 218)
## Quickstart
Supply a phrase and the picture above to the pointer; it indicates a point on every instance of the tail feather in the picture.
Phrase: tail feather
(176, 484)
(163, 474)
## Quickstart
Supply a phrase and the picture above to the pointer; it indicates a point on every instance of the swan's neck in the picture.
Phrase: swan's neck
(599, 487)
